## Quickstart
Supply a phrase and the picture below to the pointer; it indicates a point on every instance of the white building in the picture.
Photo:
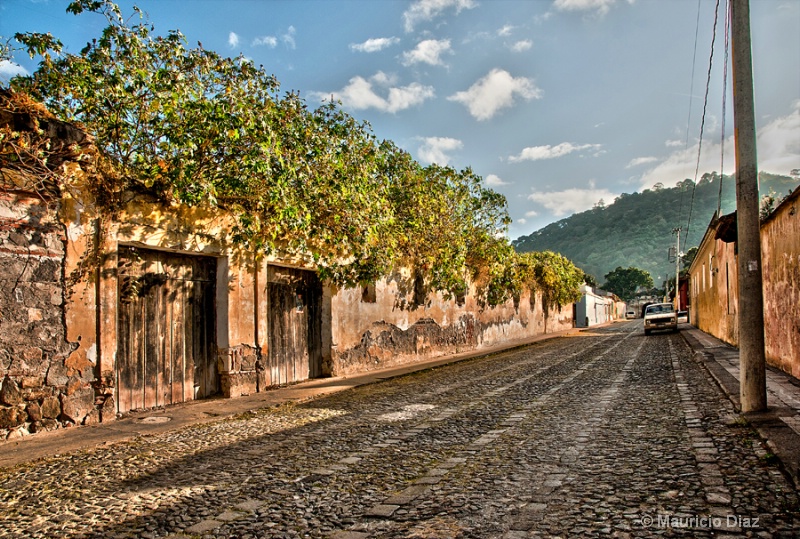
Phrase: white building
(595, 307)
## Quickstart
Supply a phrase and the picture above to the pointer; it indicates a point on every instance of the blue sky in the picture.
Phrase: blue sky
(555, 103)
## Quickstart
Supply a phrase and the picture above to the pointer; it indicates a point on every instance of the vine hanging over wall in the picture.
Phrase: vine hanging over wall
(185, 125)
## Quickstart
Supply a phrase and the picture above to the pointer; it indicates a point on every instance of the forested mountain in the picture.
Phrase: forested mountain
(636, 230)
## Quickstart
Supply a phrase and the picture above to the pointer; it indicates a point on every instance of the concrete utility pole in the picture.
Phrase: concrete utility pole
(677, 232)
(753, 385)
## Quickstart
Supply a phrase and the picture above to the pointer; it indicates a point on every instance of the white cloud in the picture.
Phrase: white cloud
(505, 31)
(494, 92)
(269, 41)
(571, 201)
(522, 221)
(521, 46)
(374, 44)
(10, 69)
(600, 6)
(777, 143)
(384, 79)
(428, 52)
(673, 143)
(531, 213)
(538, 153)
(233, 40)
(641, 161)
(288, 37)
(427, 10)
(360, 94)
(435, 149)
(494, 180)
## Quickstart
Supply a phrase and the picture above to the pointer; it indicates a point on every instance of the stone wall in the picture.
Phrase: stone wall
(40, 391)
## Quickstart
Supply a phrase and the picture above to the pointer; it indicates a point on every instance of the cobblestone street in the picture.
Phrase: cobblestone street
(604, 434)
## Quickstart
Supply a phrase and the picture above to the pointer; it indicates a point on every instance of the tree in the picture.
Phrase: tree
(186, 125)
(625, 281)
(689, 257)
(590, 280)
(769, 204)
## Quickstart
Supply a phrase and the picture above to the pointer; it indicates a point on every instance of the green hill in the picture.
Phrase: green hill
(636, 230)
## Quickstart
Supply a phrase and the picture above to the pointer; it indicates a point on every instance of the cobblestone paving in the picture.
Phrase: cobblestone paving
(606, 434)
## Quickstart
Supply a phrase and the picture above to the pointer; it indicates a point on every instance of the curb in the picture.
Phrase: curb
(780, 439)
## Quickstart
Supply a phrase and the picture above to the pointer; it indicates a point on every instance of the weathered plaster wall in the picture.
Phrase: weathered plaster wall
(713, 289)
(391, 330)
(60, 299)
(780, 255)
(240, 306)
(618, 310)
(240, 327)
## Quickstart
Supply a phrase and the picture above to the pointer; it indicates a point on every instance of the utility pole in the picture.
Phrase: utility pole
(677, 232)
(753, 384)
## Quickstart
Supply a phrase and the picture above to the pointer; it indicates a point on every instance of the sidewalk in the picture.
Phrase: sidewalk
(780, 424)
(48, 444)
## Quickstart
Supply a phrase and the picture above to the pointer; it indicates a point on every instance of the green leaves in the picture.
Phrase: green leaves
(39, 44)
(186, 125)
(625, 281)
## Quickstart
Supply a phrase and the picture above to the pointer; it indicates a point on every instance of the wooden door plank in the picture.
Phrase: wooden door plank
(166, 329)
(150, 326)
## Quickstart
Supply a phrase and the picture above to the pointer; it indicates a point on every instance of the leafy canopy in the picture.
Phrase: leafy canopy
(625, 281)
(186, 125)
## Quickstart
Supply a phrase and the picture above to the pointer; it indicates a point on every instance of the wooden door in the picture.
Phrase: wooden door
(295, 326)
(166, 336)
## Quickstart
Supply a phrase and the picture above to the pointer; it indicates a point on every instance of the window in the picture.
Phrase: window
(704, 277)
(710, 270)
(728, 287)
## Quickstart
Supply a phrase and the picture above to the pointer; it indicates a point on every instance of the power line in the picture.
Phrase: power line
(691, 96)
(724, 99)
(702, 121)
(694, 63)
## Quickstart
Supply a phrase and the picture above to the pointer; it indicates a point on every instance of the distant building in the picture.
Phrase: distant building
(597, 307)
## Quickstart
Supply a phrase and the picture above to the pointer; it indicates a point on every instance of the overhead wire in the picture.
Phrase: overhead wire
(702, 121)
(694, 64)
(691, 97)
(724, 100)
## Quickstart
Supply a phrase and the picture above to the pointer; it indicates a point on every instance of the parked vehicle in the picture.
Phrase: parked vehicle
(660, 316)
(630, 314)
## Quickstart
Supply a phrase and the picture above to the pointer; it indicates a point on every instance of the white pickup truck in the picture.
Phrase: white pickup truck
(660, 316)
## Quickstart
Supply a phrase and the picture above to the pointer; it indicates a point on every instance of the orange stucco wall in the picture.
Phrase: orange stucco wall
(357, 335)
(389, 330)
(714, 291)
(780, 253)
